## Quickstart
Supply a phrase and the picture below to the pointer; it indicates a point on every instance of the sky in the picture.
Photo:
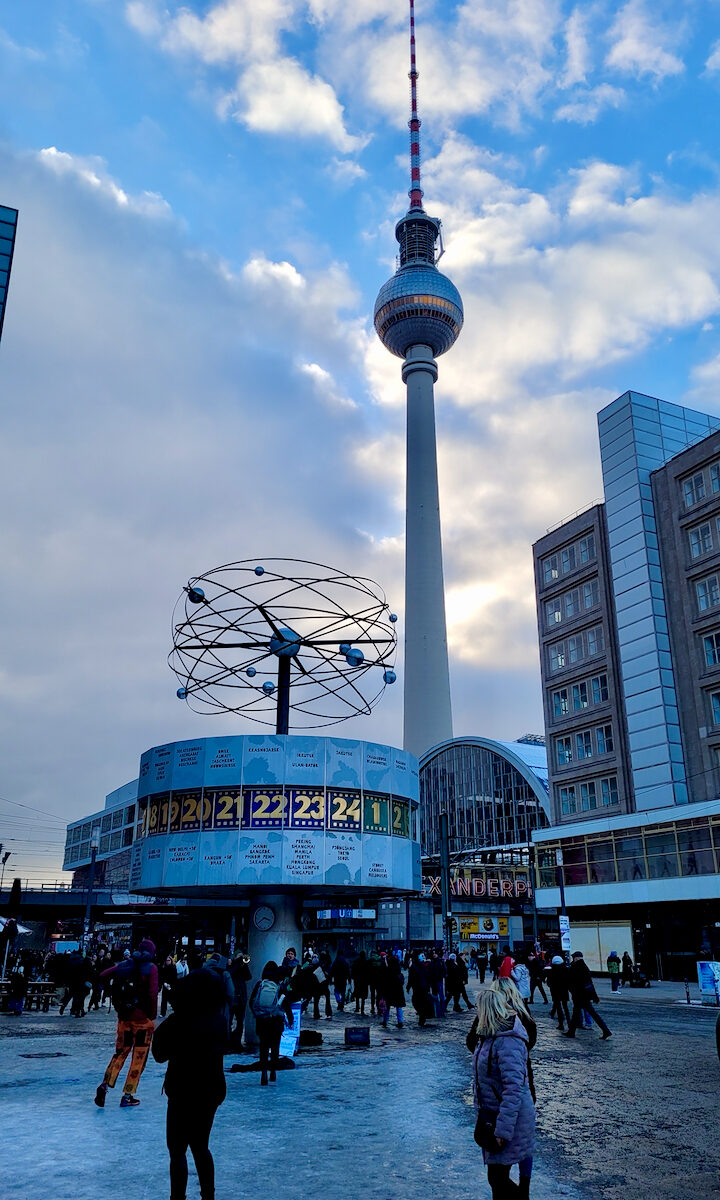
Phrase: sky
(189, 373)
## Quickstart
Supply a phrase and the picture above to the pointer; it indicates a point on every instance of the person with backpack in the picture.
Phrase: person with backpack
(271, 1015)
(192, 1042)
(135, 997)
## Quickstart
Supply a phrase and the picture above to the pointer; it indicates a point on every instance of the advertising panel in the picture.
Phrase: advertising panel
(709, 982)
(343, 809)
(263, 807)
(302, 856)
(218, 854)
(181, 860)
(188, 764)
(377, 860)
(263, 759)
(305, 761)
(343, 763)
(306, 807)
(343, 859)
(259, 857)
(377, 767)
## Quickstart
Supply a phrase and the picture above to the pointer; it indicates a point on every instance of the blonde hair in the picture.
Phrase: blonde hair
(513, 999)
(494, 1013)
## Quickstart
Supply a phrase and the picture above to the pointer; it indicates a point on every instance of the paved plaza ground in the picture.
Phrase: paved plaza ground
(630, 1119)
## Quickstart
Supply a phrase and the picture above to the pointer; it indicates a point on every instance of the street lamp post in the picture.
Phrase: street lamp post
(565, 943)
(4, 859)
(94, 844)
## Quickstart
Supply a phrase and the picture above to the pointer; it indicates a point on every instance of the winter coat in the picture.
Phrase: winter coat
(613, 964)
(360, 974)
(141, 962)
(437, 971)
(390, 984)
(520, 976)
(559, 982)
(340, 974)
(582, 987)
(192, 1042)
(241, 975)
(500, 1083)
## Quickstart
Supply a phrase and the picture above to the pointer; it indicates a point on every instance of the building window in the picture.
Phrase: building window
(564, 751)
(568, 559)
(580, 696)
(595, 641)
(575, 649)
(568, 802)
(591, 594)
(708, 593)
(560, 703)
(584, 744)
(694, 489)
(715, 702)
(700, 540)
(609, 790)
(557, 656)
(604, 738)
(587, 548)
(550, 568)
(600, 689)
(553, 612)
(711, 645)
(572, 603)
(715, 478)
(588, 796)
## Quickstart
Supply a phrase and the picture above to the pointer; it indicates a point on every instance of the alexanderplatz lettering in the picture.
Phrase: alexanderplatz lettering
(481, 887)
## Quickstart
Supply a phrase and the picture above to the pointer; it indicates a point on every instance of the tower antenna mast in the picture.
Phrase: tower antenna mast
(416, 195)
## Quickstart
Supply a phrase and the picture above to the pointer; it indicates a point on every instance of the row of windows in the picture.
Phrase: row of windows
(694, 486)
(580, 696)
(702, 538)
(585, 744)
(596, 793)
(687, 848)
(572, 603)
(115, 819)
(576, 649)
(569, 558)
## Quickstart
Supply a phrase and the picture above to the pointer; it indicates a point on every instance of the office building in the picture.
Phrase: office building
(630, 667)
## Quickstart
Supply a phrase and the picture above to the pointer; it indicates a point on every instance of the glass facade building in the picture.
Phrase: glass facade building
(8, 229)
(638, 435)
(495, 793)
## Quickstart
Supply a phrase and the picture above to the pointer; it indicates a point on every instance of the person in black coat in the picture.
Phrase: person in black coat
(391, 989)
(559, 984)
(241, 975)
(438, 973)
(360, 973)
(340, 975)
(192, 1042)
(584, 996)
(419, 985)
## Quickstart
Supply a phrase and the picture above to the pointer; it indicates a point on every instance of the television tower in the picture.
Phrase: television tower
(418, 315)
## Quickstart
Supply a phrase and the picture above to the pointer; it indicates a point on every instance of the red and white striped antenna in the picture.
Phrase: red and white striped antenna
(416, 195)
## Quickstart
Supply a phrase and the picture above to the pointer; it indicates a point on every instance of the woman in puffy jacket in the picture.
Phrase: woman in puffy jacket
(501, 1085)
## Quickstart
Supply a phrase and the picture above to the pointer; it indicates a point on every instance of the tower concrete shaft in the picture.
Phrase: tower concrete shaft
(428, 711)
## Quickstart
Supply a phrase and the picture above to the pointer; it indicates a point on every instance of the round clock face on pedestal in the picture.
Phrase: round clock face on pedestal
(263, 918)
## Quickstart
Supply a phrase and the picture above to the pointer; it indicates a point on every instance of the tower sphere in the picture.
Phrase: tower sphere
(419, 305)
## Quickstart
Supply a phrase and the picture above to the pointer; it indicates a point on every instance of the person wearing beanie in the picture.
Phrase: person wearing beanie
(134, 991)
(559, 984)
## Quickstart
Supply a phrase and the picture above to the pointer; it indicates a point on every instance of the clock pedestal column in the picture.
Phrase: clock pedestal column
(269, 944)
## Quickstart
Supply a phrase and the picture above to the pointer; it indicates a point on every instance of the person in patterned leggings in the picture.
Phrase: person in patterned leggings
(135, 994)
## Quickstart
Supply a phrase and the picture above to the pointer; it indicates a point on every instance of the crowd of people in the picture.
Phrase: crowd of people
(204, 1002)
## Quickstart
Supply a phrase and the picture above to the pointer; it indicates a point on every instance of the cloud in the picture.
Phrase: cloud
(326, 387)
(16, 49)
(640, 43)
(578, 62)
(92, 172)
(345, 172)
(586, 106)
(273, 93)
(713, 60)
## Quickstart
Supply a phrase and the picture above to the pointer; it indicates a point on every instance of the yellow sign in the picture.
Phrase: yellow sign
(468, 925)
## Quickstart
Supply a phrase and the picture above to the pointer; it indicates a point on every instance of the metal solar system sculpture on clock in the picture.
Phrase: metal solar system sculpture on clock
(260, 637)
